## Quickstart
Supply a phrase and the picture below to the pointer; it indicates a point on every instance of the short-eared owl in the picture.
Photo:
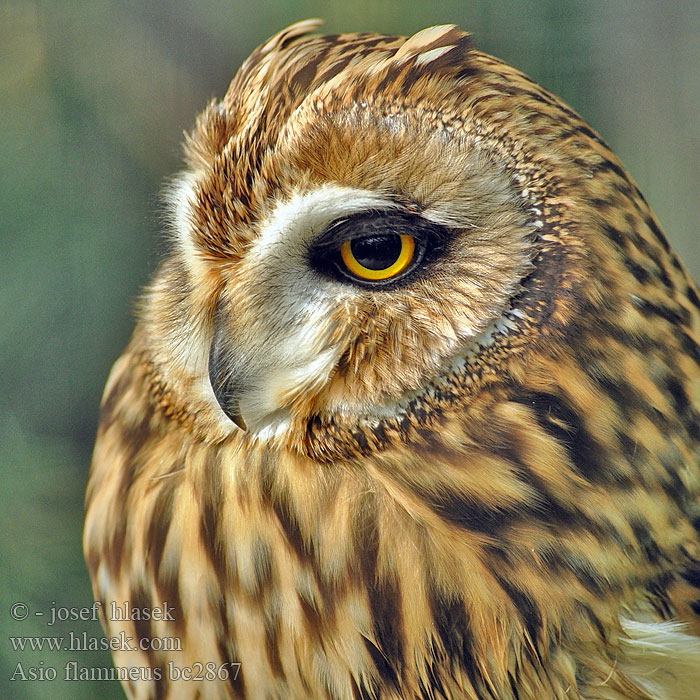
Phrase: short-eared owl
(412, 407)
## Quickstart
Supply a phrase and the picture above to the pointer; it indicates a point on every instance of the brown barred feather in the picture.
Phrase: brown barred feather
(479, 483)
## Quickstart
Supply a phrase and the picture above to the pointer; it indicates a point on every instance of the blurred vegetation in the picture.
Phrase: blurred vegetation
(94, 96)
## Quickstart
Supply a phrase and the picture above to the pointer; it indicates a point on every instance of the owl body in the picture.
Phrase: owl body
(411, 407)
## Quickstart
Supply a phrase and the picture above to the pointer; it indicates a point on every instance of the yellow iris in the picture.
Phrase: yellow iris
(402, 261)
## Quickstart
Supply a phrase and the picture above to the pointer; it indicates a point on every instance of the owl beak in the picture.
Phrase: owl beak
(236, 418)
(226, 385)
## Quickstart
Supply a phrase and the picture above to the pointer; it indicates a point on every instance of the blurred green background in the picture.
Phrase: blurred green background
(94, 96)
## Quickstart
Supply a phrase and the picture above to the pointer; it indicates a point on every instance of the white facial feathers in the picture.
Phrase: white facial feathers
(276, 310)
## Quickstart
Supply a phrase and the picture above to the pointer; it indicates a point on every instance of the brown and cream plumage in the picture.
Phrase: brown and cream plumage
(469, 473)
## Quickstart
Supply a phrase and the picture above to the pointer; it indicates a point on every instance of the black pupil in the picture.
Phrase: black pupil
(376, 252)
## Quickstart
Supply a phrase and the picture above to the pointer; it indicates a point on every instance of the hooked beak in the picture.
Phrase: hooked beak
(223, 378)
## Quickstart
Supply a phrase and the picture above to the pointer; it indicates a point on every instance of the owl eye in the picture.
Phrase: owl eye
(378, 249)
(378, 257)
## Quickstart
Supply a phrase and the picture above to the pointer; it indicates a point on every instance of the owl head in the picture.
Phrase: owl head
(371, 230)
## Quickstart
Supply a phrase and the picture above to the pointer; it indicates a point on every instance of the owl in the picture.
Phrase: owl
(412, 406)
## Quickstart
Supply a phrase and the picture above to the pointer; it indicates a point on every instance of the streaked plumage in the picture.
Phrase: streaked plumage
(480, 481)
